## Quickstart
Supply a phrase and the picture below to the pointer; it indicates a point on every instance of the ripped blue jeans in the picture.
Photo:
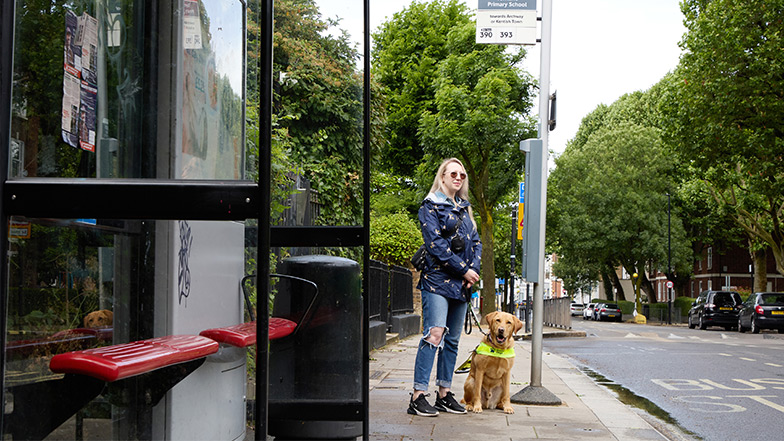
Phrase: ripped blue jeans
(439, 311)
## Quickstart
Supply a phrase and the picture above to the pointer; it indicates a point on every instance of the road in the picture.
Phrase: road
(716, 384)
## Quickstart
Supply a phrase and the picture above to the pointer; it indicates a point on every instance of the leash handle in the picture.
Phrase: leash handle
(467, 326)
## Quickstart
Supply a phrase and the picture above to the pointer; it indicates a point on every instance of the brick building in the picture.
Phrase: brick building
(731, 270)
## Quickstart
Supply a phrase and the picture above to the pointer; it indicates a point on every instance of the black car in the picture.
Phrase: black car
(762, 310)
(715, 308)
(607, 311)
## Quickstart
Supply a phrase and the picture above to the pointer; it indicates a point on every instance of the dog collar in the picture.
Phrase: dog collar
(486, 349)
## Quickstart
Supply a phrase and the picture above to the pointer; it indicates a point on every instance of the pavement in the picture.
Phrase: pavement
(587, 411)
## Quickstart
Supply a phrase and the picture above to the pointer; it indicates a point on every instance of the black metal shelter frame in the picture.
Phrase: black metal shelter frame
(196, 200)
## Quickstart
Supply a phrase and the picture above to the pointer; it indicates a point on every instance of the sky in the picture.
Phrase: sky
(600, 50)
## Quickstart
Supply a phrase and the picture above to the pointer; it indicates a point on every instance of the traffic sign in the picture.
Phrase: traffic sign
(520, 215)
(520, 211)
(522, 193)
(669, 284)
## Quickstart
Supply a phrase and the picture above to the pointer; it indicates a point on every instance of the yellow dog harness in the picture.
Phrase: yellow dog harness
(486, 349)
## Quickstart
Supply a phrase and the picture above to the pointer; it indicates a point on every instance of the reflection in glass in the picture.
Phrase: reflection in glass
(318, 109)
(212, 91)
(102, 91)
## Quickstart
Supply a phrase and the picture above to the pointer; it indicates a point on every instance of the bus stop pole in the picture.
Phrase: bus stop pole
(536, 170)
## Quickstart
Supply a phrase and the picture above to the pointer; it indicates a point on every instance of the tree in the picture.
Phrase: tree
(609, 205)
(481, 98)
(725, 111)
(406, 53)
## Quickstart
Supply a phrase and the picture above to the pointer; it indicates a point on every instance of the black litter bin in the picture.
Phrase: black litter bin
(315, 375)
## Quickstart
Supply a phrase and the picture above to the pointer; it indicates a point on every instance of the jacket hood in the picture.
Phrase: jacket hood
(440, 198)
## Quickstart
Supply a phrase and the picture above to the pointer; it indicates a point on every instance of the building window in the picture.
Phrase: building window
(710, 257)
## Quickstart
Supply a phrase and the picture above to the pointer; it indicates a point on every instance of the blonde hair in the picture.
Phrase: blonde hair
(462, 193)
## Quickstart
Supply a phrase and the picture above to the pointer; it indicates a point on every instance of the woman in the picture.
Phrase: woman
(452, 266)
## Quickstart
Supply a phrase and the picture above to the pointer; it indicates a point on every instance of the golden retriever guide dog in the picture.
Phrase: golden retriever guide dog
(489, 379)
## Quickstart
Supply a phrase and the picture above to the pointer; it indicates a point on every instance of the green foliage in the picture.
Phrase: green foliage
(391, 194)
(724, 112)
(683, 304)
(406, 53)
(659, 311)
(576, 274)
(394, 238)
(503, 227)
(318, 96)
(626, 306)
(744, 293)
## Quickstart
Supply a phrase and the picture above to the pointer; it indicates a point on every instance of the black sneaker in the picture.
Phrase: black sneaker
(449, 404)
(421, 407)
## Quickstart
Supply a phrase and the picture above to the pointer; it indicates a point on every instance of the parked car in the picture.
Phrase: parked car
(588, 311)
(576, 308)
(715, 308)
(608, 311)
(762, 310)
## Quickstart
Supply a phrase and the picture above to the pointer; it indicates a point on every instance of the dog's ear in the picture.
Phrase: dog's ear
(518, 324)
(488, 318)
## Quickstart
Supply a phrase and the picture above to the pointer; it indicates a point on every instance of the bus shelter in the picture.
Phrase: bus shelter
(168, 254)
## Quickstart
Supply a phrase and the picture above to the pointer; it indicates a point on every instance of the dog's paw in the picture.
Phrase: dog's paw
(508, 409)
(475, 408)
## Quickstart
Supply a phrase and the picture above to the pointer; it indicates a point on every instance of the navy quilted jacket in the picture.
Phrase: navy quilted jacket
(444, 268)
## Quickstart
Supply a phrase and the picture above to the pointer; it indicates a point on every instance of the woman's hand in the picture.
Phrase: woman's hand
(470, 277)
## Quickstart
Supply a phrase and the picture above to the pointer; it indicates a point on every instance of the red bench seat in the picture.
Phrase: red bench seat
(111, 363)
(244, 334)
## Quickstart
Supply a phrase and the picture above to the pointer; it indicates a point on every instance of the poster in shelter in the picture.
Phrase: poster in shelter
(80, 77)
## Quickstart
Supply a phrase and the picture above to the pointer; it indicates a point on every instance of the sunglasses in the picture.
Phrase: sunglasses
(454, 175)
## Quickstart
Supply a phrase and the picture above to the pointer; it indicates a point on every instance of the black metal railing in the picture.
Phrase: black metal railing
(401, 290)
